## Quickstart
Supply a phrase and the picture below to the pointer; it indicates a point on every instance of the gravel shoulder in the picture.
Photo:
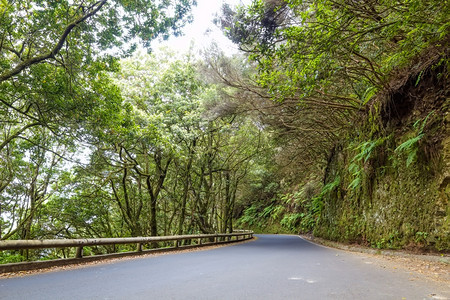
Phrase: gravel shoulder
(432, 267)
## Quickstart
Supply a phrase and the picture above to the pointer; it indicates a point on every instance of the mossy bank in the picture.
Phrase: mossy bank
(391, 176)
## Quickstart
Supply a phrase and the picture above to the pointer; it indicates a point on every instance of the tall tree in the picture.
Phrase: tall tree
(166, 117)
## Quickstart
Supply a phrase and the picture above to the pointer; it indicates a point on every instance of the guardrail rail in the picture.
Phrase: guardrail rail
(79, 244)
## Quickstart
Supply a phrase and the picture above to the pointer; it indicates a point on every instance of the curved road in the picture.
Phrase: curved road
(272, 267)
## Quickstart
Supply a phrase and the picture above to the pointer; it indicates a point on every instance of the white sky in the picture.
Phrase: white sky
(195, 32)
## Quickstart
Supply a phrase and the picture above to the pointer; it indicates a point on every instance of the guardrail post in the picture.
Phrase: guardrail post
(79, 252)
(200, 241)
(139, 247)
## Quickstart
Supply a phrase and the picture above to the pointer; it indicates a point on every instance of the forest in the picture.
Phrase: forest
(333, 120)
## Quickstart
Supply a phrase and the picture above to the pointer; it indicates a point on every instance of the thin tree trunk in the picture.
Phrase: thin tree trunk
(186, 186)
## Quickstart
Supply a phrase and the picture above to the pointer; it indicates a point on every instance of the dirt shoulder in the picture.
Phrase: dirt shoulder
(420, 266)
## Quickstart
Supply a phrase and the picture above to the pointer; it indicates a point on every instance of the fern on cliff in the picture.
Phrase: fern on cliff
(411, 146)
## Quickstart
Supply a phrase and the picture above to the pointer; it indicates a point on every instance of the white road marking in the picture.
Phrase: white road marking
(300, 278)
(295, 278)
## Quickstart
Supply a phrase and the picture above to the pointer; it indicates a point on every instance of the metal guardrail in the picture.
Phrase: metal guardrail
(202, 240)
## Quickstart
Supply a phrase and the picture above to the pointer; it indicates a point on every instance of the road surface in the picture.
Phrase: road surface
(272, 267)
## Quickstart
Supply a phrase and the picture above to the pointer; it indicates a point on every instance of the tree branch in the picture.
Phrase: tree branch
(51, 54)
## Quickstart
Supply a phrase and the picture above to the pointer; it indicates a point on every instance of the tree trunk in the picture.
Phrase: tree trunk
(186, 186)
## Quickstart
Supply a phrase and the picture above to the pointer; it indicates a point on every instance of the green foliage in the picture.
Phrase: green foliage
(323, 61)
(330, 187)
(336, 43)
(368, 94)
(312, 217)
(411, 146)
(364, 151)
(391, 241)
(421, 237)
(316, 205)
(274, 215)
(291, 221)
(307, 211)
(263, 219)
(7, 257)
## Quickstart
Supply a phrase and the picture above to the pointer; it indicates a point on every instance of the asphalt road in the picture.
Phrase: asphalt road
(272, 267)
